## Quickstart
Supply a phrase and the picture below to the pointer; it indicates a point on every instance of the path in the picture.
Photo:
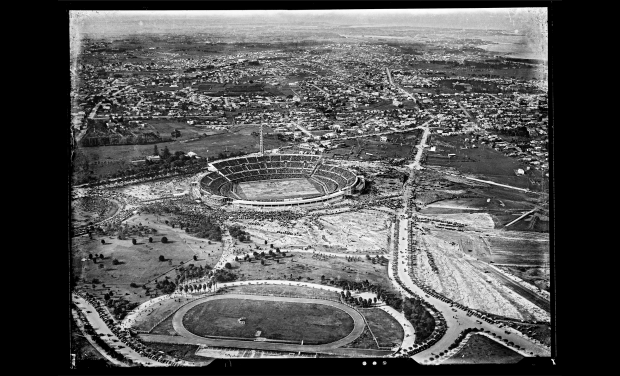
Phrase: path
(523, 216)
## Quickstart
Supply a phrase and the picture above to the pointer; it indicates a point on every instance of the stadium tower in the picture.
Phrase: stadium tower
(262, 150)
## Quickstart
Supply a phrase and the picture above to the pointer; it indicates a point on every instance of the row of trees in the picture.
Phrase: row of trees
(420, 317)
(364, 303)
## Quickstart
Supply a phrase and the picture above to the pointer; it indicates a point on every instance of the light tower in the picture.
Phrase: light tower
(262, 150)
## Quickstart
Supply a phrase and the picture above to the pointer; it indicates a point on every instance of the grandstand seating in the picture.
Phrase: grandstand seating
(280, 166)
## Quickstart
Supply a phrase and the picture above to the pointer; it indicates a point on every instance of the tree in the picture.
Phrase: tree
(166, 154)
(150, 239)
(155, 150)
(90, 256)
(115, 262)
(375, 299)
(236, 258)
(265, 242)
(228, 266)
(195, 258)
(102, 241)
(133, 241)
(165, 239)
(162, 258)
(262, 262)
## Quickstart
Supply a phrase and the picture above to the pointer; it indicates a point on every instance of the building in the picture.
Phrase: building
(384, 138)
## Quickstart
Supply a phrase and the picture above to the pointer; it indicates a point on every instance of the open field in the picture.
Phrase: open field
(364, 341)
(279, 189)
(180, 351)
(386, 328)
(355, 233)
(238, 138)
(302, 267)
(157, 312)
(519, 251)
(462, 278)
(294, 291)
(167, 126)
(483, 161)
(538, 277)
(378, 149)
(138, 263)
(312, 323)
(483, 350)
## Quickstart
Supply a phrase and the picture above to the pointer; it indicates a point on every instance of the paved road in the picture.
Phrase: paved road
(358, 325)
(108, 336)
(456, 321)
(89, 338)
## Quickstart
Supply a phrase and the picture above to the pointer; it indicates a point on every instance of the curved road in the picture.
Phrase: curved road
(358, 326)
(456, 319)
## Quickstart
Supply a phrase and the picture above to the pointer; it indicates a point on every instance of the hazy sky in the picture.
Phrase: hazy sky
(498, 18)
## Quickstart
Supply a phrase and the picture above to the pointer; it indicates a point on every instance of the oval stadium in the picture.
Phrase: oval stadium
(277, 181)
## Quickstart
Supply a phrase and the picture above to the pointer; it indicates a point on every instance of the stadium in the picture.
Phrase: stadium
(277, 181)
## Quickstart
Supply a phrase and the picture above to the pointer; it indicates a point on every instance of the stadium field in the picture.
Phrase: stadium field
(279, 189)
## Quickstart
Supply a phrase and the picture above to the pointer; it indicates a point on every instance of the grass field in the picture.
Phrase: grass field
(160, 311)
(138, 263)
(294, 291)
(185, 352)
(312, 323)
(276, 189)
(310, 270)
(519, 251)
(364, 341)
(238, 138)
(536, 276)
(386, 328)
(483, 161)
(483, 350)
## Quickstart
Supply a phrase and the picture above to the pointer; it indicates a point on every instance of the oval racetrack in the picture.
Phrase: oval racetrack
(358, 325)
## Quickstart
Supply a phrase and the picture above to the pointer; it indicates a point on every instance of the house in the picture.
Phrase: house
(192, 154)
(153, 158)
(384, 138)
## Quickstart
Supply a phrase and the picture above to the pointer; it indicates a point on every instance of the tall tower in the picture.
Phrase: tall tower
(262, 150)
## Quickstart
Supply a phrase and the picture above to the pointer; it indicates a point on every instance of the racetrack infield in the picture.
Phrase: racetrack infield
(275, 320)
(187, 337)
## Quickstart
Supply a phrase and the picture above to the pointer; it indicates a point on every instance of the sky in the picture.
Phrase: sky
(492, 18)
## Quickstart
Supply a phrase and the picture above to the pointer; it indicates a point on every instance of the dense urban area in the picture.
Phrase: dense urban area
(254, 191)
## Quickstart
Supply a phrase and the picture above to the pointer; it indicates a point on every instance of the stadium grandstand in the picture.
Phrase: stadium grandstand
(330, 182)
